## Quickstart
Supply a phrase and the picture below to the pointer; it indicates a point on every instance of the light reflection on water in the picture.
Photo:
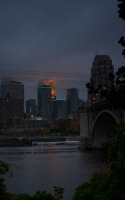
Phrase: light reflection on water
(42, 167)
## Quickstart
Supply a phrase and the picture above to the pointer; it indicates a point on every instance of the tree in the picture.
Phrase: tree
(21, 197)
(109, 182)
(63, 124)
(4, 168)
(1, 125)
(121, 12)
(40, 195)
(115, 96)
(43, 196)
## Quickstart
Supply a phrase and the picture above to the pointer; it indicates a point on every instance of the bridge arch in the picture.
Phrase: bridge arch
(103, 128)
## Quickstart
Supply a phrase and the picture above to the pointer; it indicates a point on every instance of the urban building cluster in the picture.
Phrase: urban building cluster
(47, 108)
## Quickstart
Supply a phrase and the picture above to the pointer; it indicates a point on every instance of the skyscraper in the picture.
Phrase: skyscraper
(12, 99)
(44, 101)
(72, 102)
(60, 108)
(12, 88)
(101, 69)
(15, 91)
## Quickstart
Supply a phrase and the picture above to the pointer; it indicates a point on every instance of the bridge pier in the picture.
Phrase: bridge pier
(85, 143)
(85, 139)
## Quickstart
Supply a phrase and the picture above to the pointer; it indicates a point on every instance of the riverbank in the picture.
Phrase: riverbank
(12, 142)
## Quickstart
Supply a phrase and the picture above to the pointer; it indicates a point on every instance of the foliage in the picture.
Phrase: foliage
(1, 125)
(40, 195)
(121, 12)
(90, 88)
(2, 187)
(116, 149)
(108, 183)
(72, 131)
(114, 96)
(95, 189)
(43, 196)
(21, 197)
(63, 124)
(83, 192)
(46, 131)
(4, 168)
(58, 192)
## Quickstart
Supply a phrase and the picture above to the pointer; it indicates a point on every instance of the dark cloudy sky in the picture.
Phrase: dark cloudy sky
(57, 39)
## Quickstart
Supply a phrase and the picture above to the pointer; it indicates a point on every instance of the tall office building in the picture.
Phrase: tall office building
(59, 108)
(72, 102)
(31, 106)
(101, 68)
(12, 99)
(44, 101)
(13, 89)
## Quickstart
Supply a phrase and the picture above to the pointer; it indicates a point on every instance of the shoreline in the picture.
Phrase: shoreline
(16, 142)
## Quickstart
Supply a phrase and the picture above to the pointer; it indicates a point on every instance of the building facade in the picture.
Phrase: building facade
(44, 101)
(33, 123)
(13, 89)
(59, 108)
(72, 102)
(101, 69)
(11, 103)
(10, 113)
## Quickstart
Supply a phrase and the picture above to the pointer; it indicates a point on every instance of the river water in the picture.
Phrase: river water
(42, 167)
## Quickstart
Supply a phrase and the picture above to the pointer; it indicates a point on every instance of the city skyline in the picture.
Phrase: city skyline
(57, 40)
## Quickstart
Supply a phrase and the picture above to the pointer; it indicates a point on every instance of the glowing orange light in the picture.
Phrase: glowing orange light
(52, 83)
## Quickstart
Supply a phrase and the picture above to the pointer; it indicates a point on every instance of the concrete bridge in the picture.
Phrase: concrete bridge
(97, 124)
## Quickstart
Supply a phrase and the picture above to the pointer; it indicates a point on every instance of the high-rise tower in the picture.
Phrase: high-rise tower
(101, 69)
(72, 102)
(44, 101)
(12, 88)
(12, 102)
(15, 91)
(59, 108)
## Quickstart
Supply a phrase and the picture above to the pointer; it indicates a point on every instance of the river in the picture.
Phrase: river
(42, 167)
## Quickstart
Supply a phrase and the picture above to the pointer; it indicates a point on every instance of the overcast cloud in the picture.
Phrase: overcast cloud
(60, 36)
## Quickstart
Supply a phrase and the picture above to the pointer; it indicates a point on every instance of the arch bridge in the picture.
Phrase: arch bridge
(97, 124)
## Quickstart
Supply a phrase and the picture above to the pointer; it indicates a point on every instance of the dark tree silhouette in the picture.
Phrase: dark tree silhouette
(121, 12)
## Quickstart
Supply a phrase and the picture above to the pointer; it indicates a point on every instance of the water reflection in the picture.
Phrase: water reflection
(42, 167)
